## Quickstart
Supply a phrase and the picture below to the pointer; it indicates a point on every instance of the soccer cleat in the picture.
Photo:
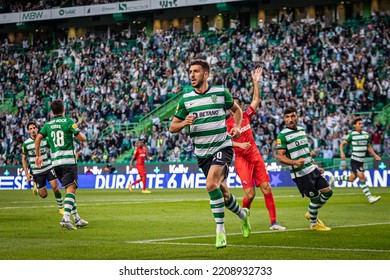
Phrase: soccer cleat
(374, 199)
(146, 191)
(130, 187)
(35, 190)
(61, 211)
(67, 225)
(331, 181)
(220, 241)
(276, 226)
(320, 227)
(245, 225)
(307, 216)
(80, 223)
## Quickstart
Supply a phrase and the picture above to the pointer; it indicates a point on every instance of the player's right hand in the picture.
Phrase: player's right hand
(300, 162)
(190, 119)
(245, 145)
(29, 177)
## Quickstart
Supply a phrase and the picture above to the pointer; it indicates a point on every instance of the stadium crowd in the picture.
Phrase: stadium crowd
(331, 73)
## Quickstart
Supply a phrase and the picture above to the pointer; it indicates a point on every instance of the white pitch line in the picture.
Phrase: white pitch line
(131, 200)
(166, 241)
(270, 247)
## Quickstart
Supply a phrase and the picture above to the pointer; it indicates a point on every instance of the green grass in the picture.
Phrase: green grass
(177, 224)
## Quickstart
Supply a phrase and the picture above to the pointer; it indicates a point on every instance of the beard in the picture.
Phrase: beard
(197, 83)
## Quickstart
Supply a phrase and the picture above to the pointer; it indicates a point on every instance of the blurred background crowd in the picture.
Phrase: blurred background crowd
(331, 73)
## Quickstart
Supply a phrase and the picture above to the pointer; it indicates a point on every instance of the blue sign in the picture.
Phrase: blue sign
(375, 178)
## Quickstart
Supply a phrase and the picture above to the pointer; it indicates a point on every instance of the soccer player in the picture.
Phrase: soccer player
(38, 176)
(60, 132)
(140, 154)
(249, 163)
(293, 150)
(360, 142)
(204, 111)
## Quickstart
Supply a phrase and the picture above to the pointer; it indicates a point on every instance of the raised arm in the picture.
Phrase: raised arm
(256, 75)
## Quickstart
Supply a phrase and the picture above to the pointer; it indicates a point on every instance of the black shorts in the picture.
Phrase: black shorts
(356, 166)
(223, 157)
(310, 184)
(40, 179)
(67, 174)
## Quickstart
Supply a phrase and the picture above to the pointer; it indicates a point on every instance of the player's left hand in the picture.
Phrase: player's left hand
(235, 132)
(377, 157)
(38, 161)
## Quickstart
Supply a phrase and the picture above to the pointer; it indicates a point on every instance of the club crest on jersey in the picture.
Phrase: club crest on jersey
(214, 98)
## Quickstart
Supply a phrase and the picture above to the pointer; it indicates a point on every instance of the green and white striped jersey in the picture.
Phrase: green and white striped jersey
(296, 144)
(208, 132)
(28, 149)
(359, 142)
(59, 134)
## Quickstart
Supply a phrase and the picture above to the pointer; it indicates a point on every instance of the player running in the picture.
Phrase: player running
(140, 154)
(360, 142)
(38, 176)
(60, 133)
(293, 150)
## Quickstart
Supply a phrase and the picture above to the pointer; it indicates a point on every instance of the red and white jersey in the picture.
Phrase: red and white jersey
(246, 135)
(140, 155)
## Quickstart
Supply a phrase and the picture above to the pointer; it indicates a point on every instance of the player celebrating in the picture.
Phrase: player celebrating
(204, 111)
(140, 154)
(40, 175)
(360, 142)
(249, 163)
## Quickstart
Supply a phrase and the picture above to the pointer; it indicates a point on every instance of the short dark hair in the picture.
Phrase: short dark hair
(289, 110)
(236, 97)
(355, 120)
(31, 123)
(201, 61)
(57, 107)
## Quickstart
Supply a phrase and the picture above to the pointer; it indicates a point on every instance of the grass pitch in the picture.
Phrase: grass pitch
(177, 224)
